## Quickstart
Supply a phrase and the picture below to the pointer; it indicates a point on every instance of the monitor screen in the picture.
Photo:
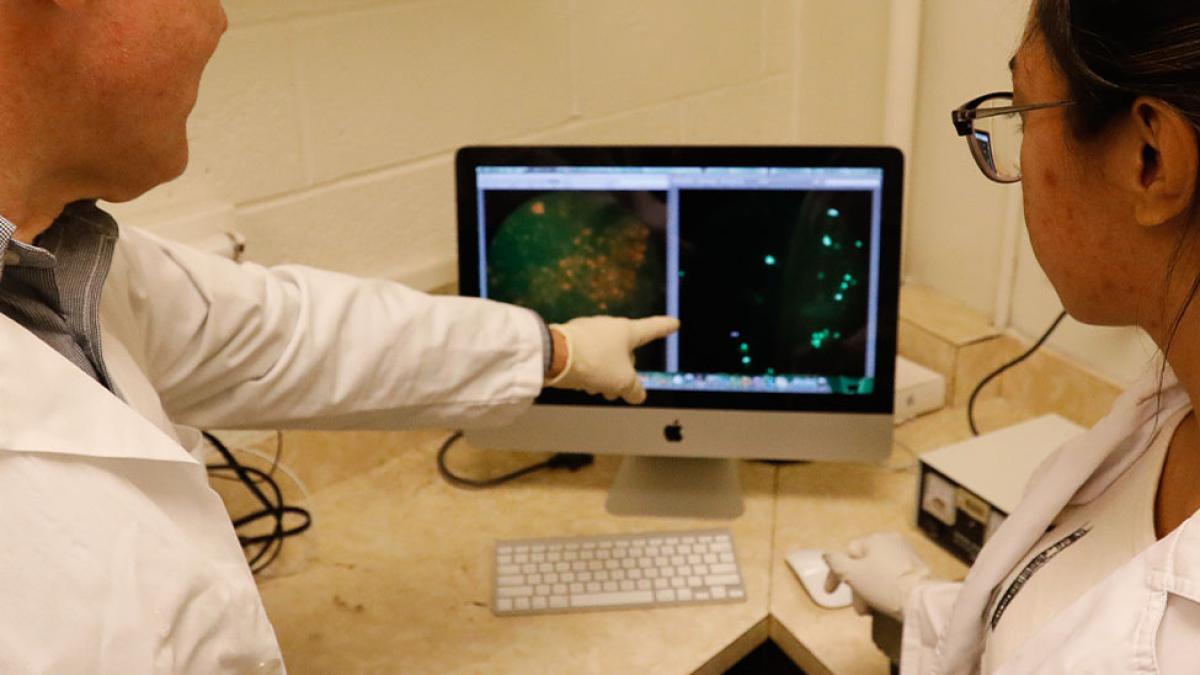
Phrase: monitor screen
(773, 260)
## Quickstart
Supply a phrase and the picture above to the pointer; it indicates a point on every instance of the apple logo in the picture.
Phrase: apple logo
(673, 432)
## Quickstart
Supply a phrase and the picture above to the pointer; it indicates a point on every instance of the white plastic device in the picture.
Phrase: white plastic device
(571, 574)
(919, 390)
(809, 565)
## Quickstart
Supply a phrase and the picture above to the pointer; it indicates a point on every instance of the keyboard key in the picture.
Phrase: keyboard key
(561, 566)
(694, 582)
(553, 557)
(645, 585)
(683, 549)
(722, 579)
(693, 559)
(678, 582)
(504, 604)
(542, 589)
(514, 591)
(529, 568)
(533, 578)
(520, 559)
(584, 576)
(611, 599)
(504, 560)
(627, 585)
(521, 603)
(508, 569)
(545, 567)
(718, 592)
(576, 587)
(617, 575)
(665, 595)
(558, 601)
(612, 564)
(720, 547)
(628, 563)
(726, 557)
(600, 576)
(634, 573)
(684, 570)
(703, 595)
(561, 589)
(567, 577)
(683, 594)
(710, 558)
(537, 558)
(700, 569)
(593, 587)
(737, 593)
(514, 580)
(539, 603)
(722, 568)
(550, 578)
(609, 586)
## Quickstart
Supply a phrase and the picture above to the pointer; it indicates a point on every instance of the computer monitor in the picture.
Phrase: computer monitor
(782, 264)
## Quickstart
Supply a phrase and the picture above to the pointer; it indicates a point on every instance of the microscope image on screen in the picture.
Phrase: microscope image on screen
(573, 253)
(775, 281)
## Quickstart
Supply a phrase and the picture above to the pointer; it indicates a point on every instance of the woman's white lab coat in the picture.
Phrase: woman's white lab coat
(117, 557)
(1118, 626)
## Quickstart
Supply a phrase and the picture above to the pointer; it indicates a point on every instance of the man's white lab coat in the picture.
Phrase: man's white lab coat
(117, 557)
(1146, 609)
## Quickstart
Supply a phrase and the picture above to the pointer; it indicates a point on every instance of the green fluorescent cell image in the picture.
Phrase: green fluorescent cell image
(570, 254)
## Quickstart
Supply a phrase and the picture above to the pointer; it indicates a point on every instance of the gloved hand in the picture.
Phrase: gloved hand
(600, 354)
(882, 570)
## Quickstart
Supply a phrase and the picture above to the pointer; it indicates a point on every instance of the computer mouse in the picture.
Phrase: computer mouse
(809, 565)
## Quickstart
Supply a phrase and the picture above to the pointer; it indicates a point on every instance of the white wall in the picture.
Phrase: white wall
(330, 125)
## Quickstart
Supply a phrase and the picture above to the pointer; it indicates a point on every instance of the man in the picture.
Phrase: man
(117, 556)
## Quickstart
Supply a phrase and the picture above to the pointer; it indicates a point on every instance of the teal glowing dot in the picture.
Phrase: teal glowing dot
(820, 275)
(745, 360)
(837, 336)
(845, 286)
(848, 277)
(833, 213)
(681, 274)
(744, 347)
(827, 240)
(770, 371)
(858, 244)
(839, 297)
(770, 260)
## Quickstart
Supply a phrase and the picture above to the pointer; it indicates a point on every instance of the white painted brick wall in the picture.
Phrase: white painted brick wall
(330, 125)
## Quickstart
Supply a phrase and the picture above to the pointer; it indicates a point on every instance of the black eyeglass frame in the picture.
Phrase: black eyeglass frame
(964, 118)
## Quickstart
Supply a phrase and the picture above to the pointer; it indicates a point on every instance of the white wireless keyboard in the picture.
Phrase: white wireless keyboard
(538, 576)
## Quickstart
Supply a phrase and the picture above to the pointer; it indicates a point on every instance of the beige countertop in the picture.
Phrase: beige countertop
(396, 575)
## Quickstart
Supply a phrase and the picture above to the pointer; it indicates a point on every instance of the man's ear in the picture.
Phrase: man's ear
(1167, 161)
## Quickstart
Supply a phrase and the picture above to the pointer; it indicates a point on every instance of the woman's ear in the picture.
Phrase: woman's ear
(1167, 161)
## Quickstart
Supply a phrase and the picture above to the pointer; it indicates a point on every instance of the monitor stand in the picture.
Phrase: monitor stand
(678, 487)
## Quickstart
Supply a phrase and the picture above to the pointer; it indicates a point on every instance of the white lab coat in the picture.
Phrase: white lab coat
(1118, 625)
(117, 557)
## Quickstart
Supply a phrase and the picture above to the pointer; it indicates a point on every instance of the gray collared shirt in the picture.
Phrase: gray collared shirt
(53, 287)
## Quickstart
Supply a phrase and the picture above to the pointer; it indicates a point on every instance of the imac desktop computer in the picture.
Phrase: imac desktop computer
(782, 264)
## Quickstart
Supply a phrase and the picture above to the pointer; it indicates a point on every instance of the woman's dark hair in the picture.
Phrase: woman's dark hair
(1113, 51)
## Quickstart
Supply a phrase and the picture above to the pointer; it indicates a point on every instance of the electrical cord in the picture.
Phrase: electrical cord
(562, 460)
(1004, 368)
(273, 507)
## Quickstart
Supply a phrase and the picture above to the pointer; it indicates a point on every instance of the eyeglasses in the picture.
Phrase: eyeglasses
(994, 130)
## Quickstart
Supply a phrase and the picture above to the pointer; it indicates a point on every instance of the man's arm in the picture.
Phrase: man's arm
(232, 345)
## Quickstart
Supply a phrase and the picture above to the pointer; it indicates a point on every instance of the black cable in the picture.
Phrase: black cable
(274, 508)
(1002, 369)
(562, 460)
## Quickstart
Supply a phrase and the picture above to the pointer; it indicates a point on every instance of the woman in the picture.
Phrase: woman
(1098, 570)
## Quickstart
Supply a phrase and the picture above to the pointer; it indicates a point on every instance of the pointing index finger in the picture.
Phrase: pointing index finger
(653, 328)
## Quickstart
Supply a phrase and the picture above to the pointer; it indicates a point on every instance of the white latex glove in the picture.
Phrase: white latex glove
(600, 354)
(882, 569)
